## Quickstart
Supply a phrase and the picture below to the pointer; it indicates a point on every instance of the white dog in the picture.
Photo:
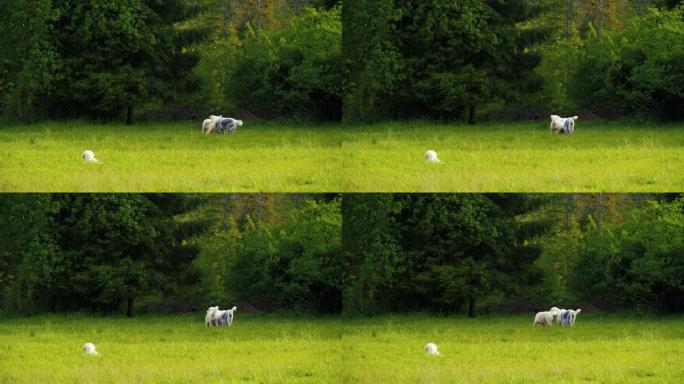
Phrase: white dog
(544, 318)
(209, 124)
(563, 124)
(431, 349)
(431, 156)
(89, 349)
(89, 156)
(556, 313)
(212, 316)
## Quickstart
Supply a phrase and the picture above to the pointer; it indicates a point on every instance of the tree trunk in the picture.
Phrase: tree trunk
(471, 115)
(129, 307)
(471, 307)
(129, 115)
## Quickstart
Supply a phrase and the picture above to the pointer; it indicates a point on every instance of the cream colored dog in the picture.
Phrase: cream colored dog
(89, 156)
(212, 317)
(209, 124)
(431, 349)
(431, 156)
(544, 318)
(89, 349)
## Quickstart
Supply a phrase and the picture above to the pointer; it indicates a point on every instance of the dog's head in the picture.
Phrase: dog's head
(239, 123)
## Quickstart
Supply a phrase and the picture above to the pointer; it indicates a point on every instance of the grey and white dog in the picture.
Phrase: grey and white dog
(227, 125)
(564, 125)
(568, 316)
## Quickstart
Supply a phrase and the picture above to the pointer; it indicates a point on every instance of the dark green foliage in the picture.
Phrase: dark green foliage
(293, 264)
(371, 59)
(94, 58)
(434, 252)
(29, 62)
(369, 250)
(637, 263)
(93, 252)
(440, 59)
(637, 71)
(118, 54)
(29, 256)
(295, 72)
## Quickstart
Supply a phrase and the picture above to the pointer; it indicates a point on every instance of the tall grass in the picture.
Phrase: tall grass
(521, 157)
(284, 349)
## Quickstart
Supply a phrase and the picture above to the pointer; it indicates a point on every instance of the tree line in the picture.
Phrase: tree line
(352, 253)
(356, 60)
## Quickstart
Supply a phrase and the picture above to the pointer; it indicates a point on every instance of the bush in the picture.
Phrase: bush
(293, 73)
(294, 264)
(638, 71)
(637, 264)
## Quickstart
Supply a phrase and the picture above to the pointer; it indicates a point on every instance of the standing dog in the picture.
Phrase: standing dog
(209, 124)
(212, 316)
(568, 317)
(226, 317)
(563, 124)
(227, 125)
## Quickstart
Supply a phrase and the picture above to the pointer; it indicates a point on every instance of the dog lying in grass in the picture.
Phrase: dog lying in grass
(89, 349)
(89, 156)
(431, 156)
(563, 125)
(431, 349)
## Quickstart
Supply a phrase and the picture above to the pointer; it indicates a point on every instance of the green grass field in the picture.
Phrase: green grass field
(270, 349)
(520, 157)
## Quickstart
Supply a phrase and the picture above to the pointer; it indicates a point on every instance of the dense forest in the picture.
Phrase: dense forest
(351, 253)
(326, 60)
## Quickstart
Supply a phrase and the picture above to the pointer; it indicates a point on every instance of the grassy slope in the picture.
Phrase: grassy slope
(384, 349)
(175, 157)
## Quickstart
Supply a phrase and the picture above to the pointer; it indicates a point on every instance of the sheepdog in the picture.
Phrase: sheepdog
(544, 318)
(89, 156)
(431, 349)
(212, 316)
(226, 317)
(227, 125)
(564, 125)
(89, 349)
(431, 156)
(567, 317)
(556, 313)
(209, 124)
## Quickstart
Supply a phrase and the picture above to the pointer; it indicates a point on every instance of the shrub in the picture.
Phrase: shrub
(293, 73)
(637, 71)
